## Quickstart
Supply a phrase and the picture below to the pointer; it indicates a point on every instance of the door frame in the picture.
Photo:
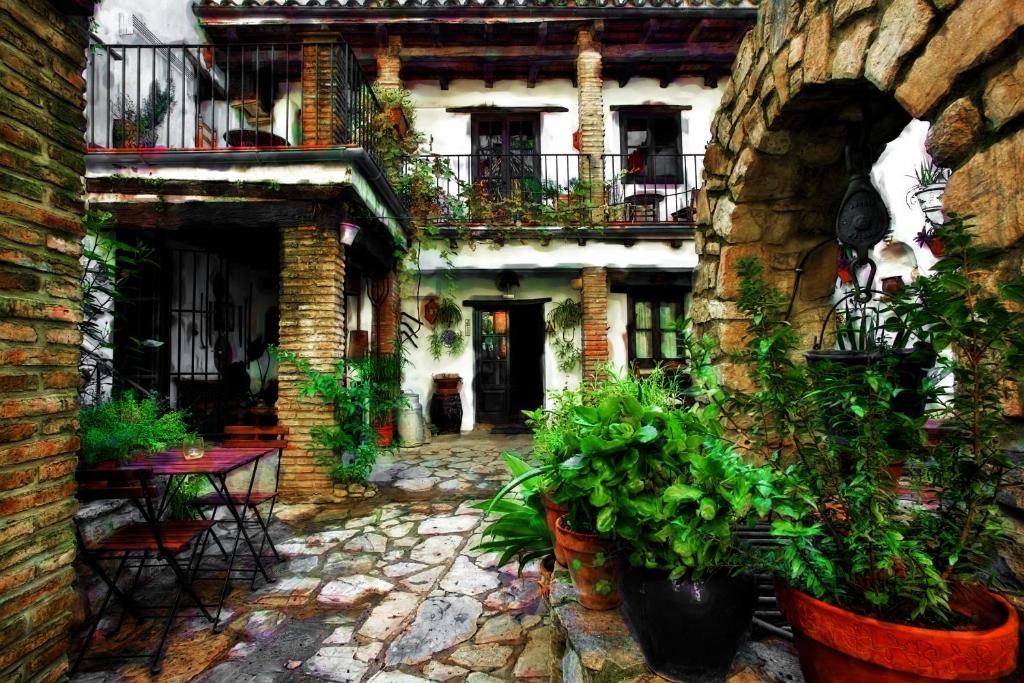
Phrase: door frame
(491, 304)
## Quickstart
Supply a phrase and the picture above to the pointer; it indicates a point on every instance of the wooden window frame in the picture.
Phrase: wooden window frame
(625, 114)
(656, 297)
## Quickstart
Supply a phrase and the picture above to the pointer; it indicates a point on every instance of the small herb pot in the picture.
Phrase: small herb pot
(593, 565)
(552, 511)
(830, 639)
(688, 630)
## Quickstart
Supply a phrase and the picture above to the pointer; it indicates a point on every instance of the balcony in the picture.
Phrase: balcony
(239, 96)
(560, 190)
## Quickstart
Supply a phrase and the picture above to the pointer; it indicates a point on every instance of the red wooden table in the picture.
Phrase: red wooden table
(216, 464)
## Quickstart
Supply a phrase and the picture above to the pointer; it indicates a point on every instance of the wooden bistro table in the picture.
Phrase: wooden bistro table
(216, 464)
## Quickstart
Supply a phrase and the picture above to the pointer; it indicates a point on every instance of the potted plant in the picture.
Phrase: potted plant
(927, 237)
(383, 372)
(520, 531)
(858, 569)
(672, 490)
(929, 185)
(123, 128)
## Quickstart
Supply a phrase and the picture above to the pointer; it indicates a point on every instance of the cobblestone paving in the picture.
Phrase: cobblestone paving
(387, 590)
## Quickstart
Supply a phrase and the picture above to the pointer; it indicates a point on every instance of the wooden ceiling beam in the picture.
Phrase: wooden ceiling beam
(700, 52)
(650, 31)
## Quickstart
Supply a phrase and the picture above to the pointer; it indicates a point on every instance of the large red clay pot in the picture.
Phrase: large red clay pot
(832, 640)
(593, 566)
(552, 511)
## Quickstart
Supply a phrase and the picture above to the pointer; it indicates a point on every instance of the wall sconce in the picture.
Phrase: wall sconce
(349, 232)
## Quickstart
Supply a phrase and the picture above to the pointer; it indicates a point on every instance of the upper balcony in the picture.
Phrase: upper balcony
(236, 96)
(561, 191)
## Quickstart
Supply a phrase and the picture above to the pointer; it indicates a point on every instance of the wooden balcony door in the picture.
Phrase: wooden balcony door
(505, 152)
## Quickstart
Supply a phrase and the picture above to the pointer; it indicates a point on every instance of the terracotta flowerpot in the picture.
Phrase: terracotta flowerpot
(937, 247)
(593, 566)
(447, 385)
(830, 639)
(385, 433)
(552, 511)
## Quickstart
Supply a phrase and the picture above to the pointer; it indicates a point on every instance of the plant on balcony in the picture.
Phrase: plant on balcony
(351, 445)
(850, 548)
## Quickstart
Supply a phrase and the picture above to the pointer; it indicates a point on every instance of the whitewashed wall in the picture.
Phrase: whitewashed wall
(529, 261)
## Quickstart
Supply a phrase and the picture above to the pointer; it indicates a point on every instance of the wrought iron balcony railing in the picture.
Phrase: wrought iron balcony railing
(190, 97)
(554, 190)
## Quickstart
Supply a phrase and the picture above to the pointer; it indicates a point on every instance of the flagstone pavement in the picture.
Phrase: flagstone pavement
(386, 589)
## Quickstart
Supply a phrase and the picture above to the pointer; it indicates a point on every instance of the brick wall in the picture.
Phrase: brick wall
(389, 64)
(386, 331)
(319, 125)
(591, 112)
(312, 321)
(42, 54)
(595, 322)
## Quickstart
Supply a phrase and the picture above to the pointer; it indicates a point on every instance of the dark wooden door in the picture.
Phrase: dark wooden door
(491, 344)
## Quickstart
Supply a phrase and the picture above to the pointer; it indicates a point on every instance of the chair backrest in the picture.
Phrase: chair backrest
(251, 436)
(115, 483)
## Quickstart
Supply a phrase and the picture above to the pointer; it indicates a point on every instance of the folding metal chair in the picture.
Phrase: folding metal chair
(248, 436)
(136, 546)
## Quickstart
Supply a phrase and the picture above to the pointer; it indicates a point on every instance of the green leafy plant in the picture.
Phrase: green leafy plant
(563, 320)
(125, 425)
(446, 336)
(929, 174)
(520, 531)
(383, 372)
(350, 446)
(847, 539)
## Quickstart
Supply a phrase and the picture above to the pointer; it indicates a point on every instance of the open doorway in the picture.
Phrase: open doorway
(508, 344)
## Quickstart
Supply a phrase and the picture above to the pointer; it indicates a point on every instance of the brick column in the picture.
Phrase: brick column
(320, 125)
(312, 304)
(42, 132)
(389, 64)
(589, 83)
(595, 322)
(385, 329)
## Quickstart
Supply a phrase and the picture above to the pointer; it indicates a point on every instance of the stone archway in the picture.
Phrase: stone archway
(804, 80)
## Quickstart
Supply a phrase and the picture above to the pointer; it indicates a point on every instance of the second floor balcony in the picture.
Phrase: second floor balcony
(235, 96)
(557, 190)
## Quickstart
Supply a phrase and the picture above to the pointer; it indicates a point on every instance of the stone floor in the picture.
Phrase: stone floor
(387, 589)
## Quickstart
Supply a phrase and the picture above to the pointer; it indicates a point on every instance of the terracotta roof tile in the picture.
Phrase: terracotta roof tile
(402, 4)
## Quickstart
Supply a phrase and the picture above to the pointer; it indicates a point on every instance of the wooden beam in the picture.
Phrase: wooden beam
(668, 76)
(542, 33)
(531, 80)
(382, 35)
(702, 52)
(443, 79)
(711, 78)
(484, 109)
(650, 31)
(624, 78)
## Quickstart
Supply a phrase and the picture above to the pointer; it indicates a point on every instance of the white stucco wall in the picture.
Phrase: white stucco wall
(529, 261)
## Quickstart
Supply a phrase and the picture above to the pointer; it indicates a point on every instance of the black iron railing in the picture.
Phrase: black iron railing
(652, 188)
(559, 189)
(265, 95)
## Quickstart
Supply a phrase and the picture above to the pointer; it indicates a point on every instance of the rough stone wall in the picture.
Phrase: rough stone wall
(595, 322)
(774, 172)
(312, 320)
(42, 144)
(590, 82)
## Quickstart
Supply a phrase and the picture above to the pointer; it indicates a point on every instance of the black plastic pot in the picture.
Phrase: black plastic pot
(688, 631)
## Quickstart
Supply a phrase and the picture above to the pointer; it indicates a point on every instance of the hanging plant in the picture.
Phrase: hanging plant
(563, 320)
(446, 337)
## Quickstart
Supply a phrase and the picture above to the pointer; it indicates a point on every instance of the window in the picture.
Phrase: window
(652, 328)
(505, 148)
(651, 145)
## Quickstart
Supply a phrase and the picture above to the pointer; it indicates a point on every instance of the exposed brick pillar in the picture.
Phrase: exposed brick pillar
(595, 322)
(320, 124)
(312, 323)
(385, 328)
(589, 83)
(42, 125)
(389, 64)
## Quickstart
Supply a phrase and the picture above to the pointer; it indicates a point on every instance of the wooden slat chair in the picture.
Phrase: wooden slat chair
(139, 545)
(250, 436)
